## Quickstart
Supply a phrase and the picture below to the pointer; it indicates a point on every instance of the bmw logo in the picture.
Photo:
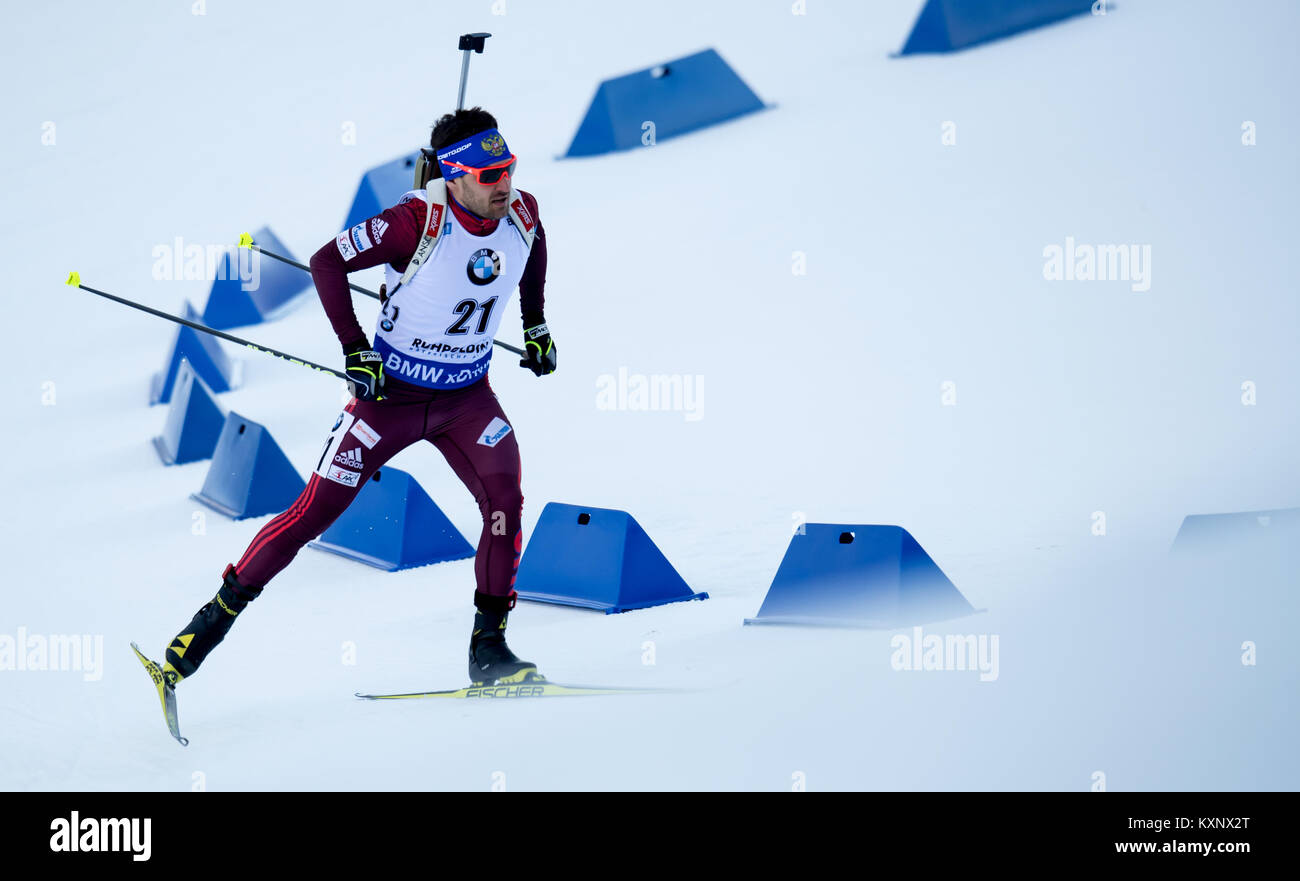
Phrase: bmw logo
(386, 325)
(484, 266)
(338, 421)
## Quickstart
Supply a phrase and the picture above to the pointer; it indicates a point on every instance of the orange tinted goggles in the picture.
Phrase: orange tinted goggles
(491, 173)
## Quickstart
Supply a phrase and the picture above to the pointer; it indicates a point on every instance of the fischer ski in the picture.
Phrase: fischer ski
(538, 686)
(166, 695)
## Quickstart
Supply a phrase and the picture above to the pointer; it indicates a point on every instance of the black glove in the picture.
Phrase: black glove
(539, 350)
(365, 370)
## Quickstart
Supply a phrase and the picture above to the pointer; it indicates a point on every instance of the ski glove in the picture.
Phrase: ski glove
(539, 350)
(365, 370)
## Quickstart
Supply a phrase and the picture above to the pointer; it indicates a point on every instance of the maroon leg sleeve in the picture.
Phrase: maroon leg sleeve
(480, 446)
(366, 435)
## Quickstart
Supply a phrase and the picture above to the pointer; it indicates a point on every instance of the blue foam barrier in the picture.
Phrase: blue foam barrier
(393, 524)
(205, 355)
(678, 97)
(194, 421)
(1244, 531)
(858, 576)
(252, 288)
(381, 187)
(596, 558)
(250, 475)
(947, 25)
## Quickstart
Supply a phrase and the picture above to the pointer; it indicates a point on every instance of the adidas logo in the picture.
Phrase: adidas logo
(352, 458)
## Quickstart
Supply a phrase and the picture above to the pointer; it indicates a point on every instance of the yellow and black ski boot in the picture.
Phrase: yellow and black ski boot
(490, 659)
(208, 627)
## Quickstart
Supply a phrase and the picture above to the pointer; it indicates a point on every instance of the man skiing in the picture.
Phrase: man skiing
(454, 249)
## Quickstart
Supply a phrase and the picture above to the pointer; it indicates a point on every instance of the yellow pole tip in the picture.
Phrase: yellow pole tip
(74, 279)
(245, 240)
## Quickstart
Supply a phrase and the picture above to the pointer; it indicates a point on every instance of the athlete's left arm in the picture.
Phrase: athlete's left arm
(532, 286)
(539, 348)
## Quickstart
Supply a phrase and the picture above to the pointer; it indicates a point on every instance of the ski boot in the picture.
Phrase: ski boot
(490, 660)
(208, 627)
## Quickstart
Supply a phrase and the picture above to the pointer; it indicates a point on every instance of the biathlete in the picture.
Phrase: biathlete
(454, 250)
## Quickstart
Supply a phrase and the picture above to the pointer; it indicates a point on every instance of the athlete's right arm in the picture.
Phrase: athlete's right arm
(388, 237)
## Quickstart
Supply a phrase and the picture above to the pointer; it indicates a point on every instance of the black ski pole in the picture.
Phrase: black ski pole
(74, 280)
(246, 241)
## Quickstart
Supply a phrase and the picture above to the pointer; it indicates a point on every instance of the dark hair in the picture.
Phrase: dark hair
(458, 126)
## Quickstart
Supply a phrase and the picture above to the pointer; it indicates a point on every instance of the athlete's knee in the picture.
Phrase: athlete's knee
(502, 502)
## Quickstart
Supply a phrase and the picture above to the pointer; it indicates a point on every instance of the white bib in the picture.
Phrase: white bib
(436, 331)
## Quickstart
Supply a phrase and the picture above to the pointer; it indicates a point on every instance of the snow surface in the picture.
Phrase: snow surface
(822, 393)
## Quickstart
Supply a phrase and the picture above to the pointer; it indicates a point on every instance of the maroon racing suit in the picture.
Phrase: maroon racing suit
(466, 424)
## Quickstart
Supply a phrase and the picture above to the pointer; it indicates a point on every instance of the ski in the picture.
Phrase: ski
(538, 687)
(166, 695)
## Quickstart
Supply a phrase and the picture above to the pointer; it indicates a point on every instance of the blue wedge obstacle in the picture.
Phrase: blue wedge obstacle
(205, 355)
(251, 288)
(1244, 530)
(858, 576)
(945, 25)
(596, 558)
(392, 524)
(250, 475)
(678, 97)
(381, 187)
(194, 421)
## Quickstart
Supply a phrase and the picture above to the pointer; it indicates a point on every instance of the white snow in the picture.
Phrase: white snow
(822, 393)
